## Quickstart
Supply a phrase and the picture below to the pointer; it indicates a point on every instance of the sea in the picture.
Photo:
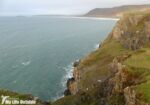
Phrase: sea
(37, 52)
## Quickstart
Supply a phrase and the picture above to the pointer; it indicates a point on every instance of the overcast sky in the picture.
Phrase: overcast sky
(35, 7)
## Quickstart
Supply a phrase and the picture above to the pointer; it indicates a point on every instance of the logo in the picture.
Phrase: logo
(7, 100)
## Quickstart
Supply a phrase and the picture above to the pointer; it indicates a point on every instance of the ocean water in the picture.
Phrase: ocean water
(36, 53)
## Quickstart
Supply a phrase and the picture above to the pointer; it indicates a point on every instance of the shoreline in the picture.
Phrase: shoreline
(80, 17)
(97, 18)
(89, 18)
(70, 68)
(69, 77)
(68, 74)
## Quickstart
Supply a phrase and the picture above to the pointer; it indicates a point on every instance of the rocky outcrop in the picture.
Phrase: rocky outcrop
(72, 87)
(117, 89)
(133, 31)
(130, 96)
(76, 63)
(119, 83)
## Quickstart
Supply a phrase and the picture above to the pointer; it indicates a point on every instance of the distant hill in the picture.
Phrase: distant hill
(115, 11)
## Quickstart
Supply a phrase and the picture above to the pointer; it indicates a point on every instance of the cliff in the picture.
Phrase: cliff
(115, 11)
(118, 73)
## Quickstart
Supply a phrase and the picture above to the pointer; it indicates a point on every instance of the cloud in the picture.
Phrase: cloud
(59, 6)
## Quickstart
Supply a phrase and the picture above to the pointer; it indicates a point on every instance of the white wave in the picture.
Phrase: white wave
(26, 63)
(96, 46)
(69, 74)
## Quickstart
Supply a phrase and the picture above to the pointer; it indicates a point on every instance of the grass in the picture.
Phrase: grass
(108, 49)
(144, 89)
(139, 64)
(92, 76)
(95, 66)
(140, 59)
(18, 96)
(90, 97)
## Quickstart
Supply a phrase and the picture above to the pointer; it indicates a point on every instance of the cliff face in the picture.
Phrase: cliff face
(118, 73)
(133, 31)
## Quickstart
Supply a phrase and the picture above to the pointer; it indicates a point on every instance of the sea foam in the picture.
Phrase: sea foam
(26, 63)
(69, 74)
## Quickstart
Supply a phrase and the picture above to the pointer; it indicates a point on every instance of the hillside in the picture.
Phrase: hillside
(17, 96)
(118, 73)
(115, 11)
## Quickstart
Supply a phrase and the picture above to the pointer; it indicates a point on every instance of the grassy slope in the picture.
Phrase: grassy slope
(139, 64)
(96, 64)
(95, 67)
(19, 96)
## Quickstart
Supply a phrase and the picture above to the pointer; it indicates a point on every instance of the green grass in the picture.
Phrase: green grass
(18, 96)
(139, 64)
(144, 89)
(108, 49)
(90, 97)
(140, 59)
(95, 66)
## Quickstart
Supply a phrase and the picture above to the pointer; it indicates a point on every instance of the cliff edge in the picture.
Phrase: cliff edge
(118, 73)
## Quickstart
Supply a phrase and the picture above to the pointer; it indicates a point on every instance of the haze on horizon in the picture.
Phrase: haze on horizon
(59, 7)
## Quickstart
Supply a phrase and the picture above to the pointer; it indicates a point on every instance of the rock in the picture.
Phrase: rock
(67, 92)
(70, 81)
(113, 66)
(130, 96)
(100, 45)
(76, 63)
(71, 87)
(76, 74)
(132, 31)
(99, 81)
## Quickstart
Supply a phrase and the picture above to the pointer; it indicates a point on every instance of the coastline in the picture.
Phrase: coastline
(89, 18)
(97, 18)
(27, 63)
(70, 69)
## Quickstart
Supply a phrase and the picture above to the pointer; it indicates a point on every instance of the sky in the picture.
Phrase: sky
(59, 7)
